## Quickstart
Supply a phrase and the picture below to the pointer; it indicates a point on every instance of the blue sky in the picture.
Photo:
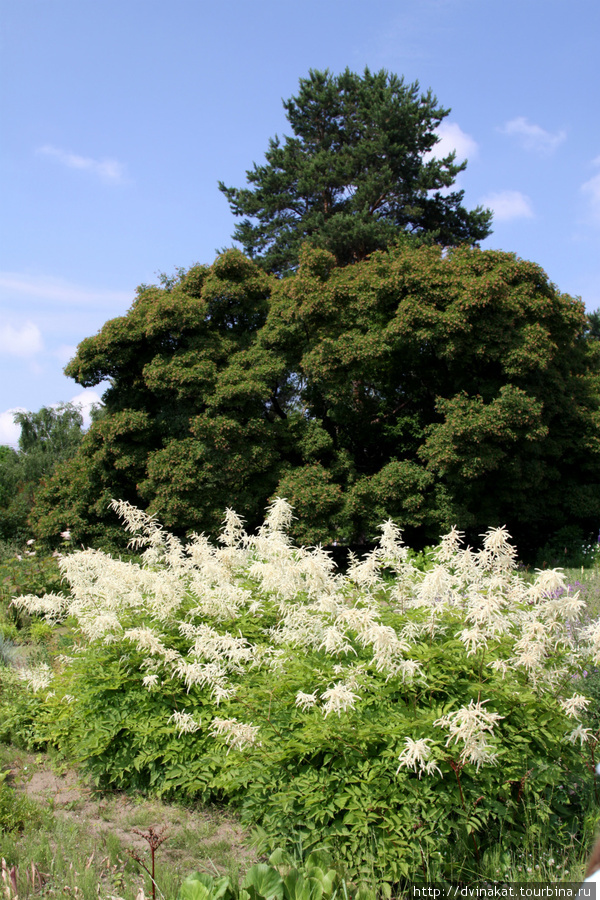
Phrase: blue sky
(118, 118)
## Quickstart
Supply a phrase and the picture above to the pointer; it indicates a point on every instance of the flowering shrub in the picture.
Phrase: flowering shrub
(388, 713)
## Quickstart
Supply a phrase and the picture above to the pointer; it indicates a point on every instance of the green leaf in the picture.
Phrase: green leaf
(297, 887)
(263, 881)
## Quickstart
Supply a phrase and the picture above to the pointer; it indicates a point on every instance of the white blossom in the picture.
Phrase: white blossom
(338, 699)
(237, 735)
(37, 678)
(575, 704)
(306, 701)
(185, 723)
(470, 726)
(417, 756)
(581, 734)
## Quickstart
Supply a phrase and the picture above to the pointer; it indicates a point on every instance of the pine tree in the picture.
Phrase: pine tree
(357, 176)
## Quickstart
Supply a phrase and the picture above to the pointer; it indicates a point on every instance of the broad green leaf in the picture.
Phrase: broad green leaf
(263, 881)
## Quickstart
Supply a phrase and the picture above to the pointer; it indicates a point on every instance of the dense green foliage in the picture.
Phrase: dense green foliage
(15, 811)
(434, 387)
(279, 879)
(385, 714)
(357, 176)
(47, 437)
(35, 574)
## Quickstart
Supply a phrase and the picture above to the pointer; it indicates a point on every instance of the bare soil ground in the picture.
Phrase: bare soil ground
(207, 839)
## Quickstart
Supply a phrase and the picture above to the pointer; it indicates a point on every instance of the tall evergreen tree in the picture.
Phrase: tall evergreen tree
(357, 175)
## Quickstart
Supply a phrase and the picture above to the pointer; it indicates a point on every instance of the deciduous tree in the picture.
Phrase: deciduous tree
(435, 387)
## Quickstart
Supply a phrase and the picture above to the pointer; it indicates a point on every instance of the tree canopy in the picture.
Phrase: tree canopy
(357, 175)
(434, 387)
(48, 436)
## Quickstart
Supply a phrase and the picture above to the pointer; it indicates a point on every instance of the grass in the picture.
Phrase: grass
(81, 844)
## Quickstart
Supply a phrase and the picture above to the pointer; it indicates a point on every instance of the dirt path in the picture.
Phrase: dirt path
(197, 838)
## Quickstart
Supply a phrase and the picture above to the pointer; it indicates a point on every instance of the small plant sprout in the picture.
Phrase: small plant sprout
(154, 838)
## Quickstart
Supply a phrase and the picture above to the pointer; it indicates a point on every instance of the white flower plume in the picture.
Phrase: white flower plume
(417, 756)
(470, 726)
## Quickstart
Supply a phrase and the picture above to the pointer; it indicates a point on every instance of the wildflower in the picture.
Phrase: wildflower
(236, 734)
(573, 705)
(145, 639)
(30, 542)
(37, 678)
(365, 572)
(391, 546)
(279, 516)
(407, 668)
(470, 725)
(150, 681)
(500, 665)
(417, 756)
(66, 535)
(338, 699)
(498, 554)
(386, 644)
(220, 692)
(306, 701)
(581, 734)
(185, 723)
(335, 642)
(436, 587)
(233, 533)
(473, 639)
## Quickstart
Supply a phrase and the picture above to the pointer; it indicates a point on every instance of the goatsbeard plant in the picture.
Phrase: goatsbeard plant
(386, 712)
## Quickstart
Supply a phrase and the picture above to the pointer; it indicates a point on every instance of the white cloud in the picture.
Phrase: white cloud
(591, 189)
(9, 431)
(508, 205)
(533, 137)
(108, 170)
(24, 341)
(452, 137)
(85, 400)
(58, 290)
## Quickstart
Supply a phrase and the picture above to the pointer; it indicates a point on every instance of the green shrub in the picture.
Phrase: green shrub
(382, 718)
(569, 547)
(9, 631)
(40, 632)
(16, 811)
(28, 575)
